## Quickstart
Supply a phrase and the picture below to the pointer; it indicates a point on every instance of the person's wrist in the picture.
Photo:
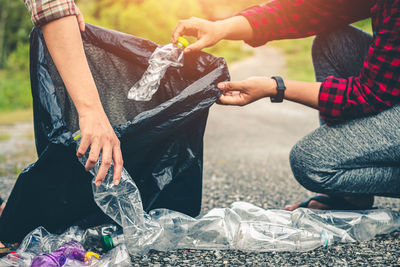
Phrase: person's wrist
(220, 29)
(274, 89)
(90, 111)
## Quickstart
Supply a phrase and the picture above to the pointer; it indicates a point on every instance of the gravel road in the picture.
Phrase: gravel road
(246, 159)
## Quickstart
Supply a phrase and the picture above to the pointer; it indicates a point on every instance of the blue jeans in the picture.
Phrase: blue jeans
(357, 157)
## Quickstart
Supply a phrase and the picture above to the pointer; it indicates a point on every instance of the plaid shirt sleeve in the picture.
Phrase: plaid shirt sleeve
(288, 19)
(45, 11)
(378, 85)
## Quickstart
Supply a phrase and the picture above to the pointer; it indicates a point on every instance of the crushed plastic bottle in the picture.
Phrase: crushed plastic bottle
(118, 256)
(72, 250)
(347, 226)
(243, 226)
(123, 204)
(263, 236)
(170, 55)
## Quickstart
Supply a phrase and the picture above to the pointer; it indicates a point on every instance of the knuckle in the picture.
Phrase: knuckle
(107, 162)
(108, 139)
(92, 159)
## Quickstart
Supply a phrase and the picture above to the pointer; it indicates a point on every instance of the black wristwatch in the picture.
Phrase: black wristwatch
(281, 90)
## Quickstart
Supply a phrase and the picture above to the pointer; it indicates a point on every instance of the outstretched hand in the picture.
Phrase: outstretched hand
(247, 91)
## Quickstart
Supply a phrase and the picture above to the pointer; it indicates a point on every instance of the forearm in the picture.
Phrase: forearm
(235, 28)
(64, 42)
(306, 93)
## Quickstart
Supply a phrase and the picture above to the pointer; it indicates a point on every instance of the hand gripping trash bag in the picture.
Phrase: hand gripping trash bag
(161, 140)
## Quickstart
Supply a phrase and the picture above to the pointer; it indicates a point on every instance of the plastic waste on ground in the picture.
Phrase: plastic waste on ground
(72, 251)
(243, 226)
(170, 55)
(112, 240)
(35, 250)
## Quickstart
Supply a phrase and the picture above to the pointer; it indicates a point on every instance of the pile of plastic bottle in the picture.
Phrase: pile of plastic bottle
(72, 248)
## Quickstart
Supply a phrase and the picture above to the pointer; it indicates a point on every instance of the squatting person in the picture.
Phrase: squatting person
(355, 154)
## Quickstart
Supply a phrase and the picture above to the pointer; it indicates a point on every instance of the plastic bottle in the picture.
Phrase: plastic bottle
(347, 226)
(264, 236)
(71, 250)
(123, 204)
(162, 58)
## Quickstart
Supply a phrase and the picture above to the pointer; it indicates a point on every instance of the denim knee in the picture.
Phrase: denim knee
(340, 52)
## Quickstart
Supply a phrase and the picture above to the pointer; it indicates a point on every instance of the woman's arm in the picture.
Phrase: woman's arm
(277, 19)
(252, 89)
(209, 33)
(65, 45)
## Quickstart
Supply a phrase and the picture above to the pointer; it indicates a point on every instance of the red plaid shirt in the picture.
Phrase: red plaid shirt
(44, 11)
(378, 85)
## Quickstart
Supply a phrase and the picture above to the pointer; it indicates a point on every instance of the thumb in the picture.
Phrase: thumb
(231, 86)
(197, 46)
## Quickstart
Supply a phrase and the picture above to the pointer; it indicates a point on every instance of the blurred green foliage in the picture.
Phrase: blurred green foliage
(150, 19)
(298, 54)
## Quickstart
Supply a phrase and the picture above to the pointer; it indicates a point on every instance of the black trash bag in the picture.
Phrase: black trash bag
(161, 140)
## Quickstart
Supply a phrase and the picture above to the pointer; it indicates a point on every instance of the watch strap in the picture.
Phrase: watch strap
(280, 88)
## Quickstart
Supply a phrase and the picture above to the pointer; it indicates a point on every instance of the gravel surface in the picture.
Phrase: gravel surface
(246, 159)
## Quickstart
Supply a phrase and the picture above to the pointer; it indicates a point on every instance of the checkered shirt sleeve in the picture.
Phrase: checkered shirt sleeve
(378, 85)
(45, 11)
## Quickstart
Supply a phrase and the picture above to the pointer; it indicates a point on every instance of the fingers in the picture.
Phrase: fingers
(81, 22)
(197, 46)
(93, 156)
(106, 158)
(233, 93)
(232, 99)
(80, 19)
(83, 147)
(118, 164)
(231, 86)
(178, 31)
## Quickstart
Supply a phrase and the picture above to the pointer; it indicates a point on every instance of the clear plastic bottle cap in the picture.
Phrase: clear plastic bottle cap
(108, 242)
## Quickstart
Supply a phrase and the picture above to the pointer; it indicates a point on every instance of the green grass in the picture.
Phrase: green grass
(298, 54)
(298, 60)
(14, 116)
(15, 92)
(5, 136)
